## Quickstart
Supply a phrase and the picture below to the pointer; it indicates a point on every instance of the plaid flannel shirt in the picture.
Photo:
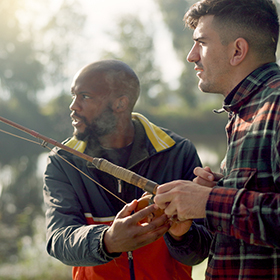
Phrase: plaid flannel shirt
(243, 211)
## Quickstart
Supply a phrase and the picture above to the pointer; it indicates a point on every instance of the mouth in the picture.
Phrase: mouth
(198, 68)
(76, 120)
(199, 71)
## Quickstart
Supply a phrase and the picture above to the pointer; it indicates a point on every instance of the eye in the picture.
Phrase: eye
(201, 42)
(81, 96)
(85, 96)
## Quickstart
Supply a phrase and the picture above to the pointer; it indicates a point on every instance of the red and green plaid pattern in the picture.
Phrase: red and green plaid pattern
(243, 211)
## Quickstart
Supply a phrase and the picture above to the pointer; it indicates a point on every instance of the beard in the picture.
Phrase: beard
(100, 126)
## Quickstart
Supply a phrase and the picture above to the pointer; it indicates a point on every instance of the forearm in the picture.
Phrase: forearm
(247, 215)
(79, 245)
(69, 238)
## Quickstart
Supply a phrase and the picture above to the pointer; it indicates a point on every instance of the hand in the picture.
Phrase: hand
(206, 177)
(127, 233)
(185, 199)
(177, 229)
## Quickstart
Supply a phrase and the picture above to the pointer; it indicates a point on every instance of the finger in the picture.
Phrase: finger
(162, 200)
(143, 213)
(145, 193)
(208, 169)
(159, 225)
(152, 234)
(167, 186)
(217, 176)
(127, 209)
(171, 210)
(201, 181)
(204, 173)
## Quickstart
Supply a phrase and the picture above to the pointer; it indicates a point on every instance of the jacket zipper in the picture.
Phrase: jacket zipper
(119, 186)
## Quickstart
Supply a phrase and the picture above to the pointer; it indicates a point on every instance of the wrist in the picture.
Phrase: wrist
(104, 249)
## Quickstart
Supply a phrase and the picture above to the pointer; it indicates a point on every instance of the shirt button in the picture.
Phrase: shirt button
(219, 228)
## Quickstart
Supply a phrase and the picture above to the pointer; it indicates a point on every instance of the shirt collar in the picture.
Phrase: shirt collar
(247, 87)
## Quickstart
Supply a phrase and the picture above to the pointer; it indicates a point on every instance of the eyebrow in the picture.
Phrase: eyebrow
(80, 92)
(199, 38)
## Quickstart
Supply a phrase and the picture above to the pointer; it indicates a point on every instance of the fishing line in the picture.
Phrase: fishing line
(43, 144)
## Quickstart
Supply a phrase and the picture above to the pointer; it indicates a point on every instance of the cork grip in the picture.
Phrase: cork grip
(125, 175)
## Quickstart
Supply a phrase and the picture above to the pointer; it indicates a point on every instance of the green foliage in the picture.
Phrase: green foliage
(32, 261)
(136, 48)
(58, 113)
(20, 71)
(173, 14)
(28, 58)
(58, 38)
(35, 57)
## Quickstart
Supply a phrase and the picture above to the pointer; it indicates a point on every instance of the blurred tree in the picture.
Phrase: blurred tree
(58, 109)
(136, 47)
(57, 41)
(173, 13)
(34, 52)
(20, 71)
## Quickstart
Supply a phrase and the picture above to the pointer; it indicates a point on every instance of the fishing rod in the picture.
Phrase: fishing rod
(100, 163)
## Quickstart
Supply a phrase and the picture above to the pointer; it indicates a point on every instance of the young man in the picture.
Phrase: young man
(234, 55)
(88, 227)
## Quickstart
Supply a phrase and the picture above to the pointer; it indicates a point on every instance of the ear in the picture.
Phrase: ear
(240, 50)
(120, 104)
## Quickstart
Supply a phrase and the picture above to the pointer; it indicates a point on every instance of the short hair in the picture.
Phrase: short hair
(254, 20)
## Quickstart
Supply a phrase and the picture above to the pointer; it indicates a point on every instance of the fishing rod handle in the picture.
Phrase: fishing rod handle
(125, 175)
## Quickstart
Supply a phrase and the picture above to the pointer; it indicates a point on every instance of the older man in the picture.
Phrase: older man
(87, 227)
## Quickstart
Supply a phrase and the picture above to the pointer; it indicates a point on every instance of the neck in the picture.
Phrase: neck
(121, 137)
(241, 73)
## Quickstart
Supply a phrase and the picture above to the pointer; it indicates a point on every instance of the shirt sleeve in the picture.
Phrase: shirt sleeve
(248, 215)
(69, 238)
(193, 248)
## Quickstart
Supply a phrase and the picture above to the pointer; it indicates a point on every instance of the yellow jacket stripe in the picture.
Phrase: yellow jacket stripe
(159, 139)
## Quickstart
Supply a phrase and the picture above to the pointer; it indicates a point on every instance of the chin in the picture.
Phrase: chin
(204, 87)
(79, 135)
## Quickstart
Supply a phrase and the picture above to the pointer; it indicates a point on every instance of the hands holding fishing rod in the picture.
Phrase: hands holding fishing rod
(179, 201)
(186, 200)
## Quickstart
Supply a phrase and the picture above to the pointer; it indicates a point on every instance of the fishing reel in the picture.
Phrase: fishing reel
(146, 200)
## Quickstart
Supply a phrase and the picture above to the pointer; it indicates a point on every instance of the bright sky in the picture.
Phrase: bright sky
(102, 16)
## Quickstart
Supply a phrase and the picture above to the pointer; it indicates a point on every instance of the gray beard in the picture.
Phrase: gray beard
(101, 126)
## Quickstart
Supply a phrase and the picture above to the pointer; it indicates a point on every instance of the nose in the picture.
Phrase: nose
(74, 106)
(193, 55)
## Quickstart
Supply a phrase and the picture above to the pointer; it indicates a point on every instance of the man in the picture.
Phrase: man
(88, 227)
(234, 55)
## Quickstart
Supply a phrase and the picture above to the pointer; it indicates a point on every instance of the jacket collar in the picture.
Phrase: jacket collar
(159, 139)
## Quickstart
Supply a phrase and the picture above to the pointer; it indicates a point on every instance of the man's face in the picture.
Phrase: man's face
(92, 113)
(211, 58)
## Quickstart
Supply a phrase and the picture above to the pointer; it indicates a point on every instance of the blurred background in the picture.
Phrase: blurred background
(42, 45)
